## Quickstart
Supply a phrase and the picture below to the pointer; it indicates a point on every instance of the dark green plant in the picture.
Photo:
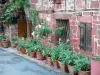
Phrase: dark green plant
(54, 53)
(2, 37)
(30, 47)
(14, 40)
(21, 44)
(47, 51)
(60, 31)
(44, 31)
(82, 63)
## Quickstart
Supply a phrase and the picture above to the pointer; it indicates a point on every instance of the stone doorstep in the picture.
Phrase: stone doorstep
(42, 63)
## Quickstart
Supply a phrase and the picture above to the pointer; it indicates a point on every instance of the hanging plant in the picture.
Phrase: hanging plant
(60, 31)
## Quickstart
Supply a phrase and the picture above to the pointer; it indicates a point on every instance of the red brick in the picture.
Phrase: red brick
(34, 1)
(95, 13)
(94, 29)
(98, 26)
(86, 13)
(86, 19)
(94, 4)
(95, 17)
(98, 50)
(96, 22)
(74, 18)
(98, 17)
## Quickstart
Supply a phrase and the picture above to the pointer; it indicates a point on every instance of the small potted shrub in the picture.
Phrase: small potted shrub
(14, 42)
(95, 65)
(22, 46)
(4, 41)
(82, 65)
(31, 49)
(55, 56)
(63, 56)
(39, 48)
(47, 53)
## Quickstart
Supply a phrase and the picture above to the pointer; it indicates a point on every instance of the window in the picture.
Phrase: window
(85, 36)
(64, 24)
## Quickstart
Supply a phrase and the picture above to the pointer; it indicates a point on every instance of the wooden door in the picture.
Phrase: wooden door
(22, 28)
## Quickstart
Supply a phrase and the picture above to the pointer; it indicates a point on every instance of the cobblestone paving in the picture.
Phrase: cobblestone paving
(11, 64)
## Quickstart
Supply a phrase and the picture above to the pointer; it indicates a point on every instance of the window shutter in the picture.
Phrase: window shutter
(88, 36)
(85, 36)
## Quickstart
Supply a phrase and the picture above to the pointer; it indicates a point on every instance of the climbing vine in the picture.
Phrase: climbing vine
(15, 4)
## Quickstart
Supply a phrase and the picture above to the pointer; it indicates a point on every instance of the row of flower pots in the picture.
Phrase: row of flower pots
(60, 56)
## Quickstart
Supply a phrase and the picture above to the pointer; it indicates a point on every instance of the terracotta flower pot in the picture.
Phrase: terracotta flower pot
(13, 45)
(95, 67)
(32, 54)
(23, 50)
(39, 56)
(56, 64)
(57, 1)
(70, 68)
(48, 59)
(84, 73)
(4, 44)
(63, 68)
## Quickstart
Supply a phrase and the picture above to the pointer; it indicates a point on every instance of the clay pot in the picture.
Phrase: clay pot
(56, 64)
(70, 68)
(23, 50)
(84, 73)
(63, 68)
(13, 45)
(48, 59)
(57, 1)
(39, 56)
(5, 44)
(32, 54)
(95, 67)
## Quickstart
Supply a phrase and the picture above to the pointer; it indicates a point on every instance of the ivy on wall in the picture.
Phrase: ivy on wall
(12, 6)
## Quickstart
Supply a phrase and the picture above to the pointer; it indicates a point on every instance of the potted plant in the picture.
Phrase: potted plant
(39, 48)
(47, 53)
(60, 31)
(21, 46)
(14, 42)
(4, 41)
(95, 65)
(31, 49)
(54, 56)
(82, 65)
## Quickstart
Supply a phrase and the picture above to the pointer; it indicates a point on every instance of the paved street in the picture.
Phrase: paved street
(12, 64)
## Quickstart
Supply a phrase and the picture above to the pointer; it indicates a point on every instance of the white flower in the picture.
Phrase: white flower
(32, 33)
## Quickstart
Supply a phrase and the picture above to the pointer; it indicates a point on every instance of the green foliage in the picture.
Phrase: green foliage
(30, 46)
(15, 4)
(60, 31)
(21, 44)
(96, 58)
(54, 53)
(14, 40)
(2, 37)
(82, 63)
(35, 17)
(44, 31)
(47, 51)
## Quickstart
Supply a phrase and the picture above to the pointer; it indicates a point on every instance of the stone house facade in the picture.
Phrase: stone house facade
(83, 17)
